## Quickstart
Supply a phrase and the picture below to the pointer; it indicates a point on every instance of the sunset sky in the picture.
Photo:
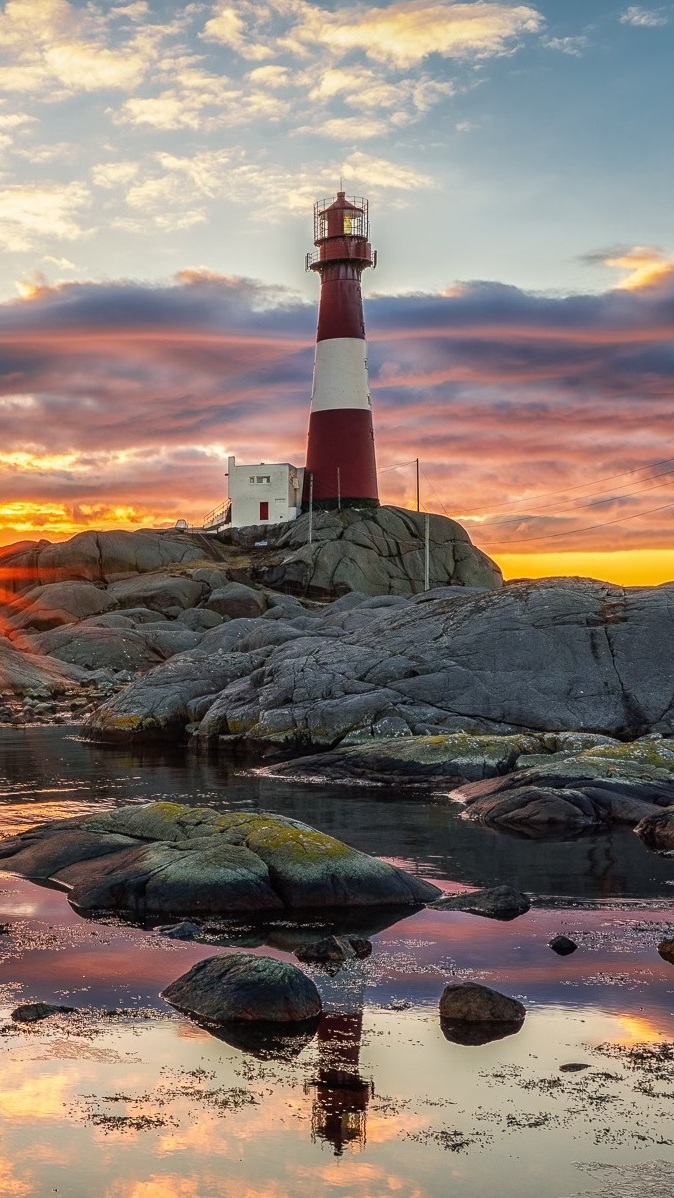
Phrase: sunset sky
(158, 167)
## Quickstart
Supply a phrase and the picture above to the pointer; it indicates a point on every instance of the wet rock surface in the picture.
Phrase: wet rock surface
(166, 858)
(242, 987)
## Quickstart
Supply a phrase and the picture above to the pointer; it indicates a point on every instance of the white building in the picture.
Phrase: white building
(265, 493)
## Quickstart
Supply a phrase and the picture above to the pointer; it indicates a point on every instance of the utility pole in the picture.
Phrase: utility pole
(427, 554)
(311, 507)
(418, 496)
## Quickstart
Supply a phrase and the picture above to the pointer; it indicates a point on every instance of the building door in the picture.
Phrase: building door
(264, 511)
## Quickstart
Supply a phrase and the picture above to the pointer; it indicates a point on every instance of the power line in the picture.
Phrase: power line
(588, 528)
(579, 486)
(573, 507)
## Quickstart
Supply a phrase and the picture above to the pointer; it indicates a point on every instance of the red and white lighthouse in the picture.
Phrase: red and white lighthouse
(341, 468)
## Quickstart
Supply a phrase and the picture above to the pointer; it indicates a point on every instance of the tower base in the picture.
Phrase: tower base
(333, 505)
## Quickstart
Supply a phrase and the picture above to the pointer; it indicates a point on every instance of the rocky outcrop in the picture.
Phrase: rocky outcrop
(241, 986)
(169, 859)
(564, 655)
(377, 552)
(429, 760)
(622, 783)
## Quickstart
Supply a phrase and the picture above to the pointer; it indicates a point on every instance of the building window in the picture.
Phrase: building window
(263, 478)
(264, 511)
(251, 479)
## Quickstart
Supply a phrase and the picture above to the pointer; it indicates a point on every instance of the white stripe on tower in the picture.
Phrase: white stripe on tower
(340, 375)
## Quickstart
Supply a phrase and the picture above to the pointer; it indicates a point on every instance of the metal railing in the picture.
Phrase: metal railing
(219, 516)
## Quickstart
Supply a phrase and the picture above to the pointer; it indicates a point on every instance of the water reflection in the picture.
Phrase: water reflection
(341, 1095)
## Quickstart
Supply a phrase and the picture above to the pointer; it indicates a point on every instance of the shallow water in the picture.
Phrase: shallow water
(379, 1103)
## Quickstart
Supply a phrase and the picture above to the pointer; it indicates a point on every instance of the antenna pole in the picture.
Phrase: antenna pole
(427, 554)
(311, 507)
(418, 507)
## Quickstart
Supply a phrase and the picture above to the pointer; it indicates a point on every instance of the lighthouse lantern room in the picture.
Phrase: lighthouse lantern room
(340, 468)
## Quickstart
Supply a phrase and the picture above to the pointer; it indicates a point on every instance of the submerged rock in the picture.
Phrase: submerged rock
(168, 858)
(496, 902)
(35, 1012)
(469, 1002)
(241, 986)
(666, 950)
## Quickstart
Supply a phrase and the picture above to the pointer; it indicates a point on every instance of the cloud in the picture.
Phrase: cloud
(650, 18)
(646, 266)
(120, 397)
(59, 49)
(401, 34)
(30, 213)
(155, 190)
(574, 46)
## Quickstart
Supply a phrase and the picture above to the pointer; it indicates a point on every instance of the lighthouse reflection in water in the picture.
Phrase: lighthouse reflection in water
(341, 1093)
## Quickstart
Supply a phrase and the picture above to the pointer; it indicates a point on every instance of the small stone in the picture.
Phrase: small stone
(666, 950)
(573, 1067)
(33, 1012)
(563, 946)
(333, 950)
(496, 902)
(185, 930)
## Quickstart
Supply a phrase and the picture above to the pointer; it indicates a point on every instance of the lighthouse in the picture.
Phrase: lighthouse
(340, 469)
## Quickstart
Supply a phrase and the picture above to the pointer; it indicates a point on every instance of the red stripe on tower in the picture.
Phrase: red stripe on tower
(341, 468)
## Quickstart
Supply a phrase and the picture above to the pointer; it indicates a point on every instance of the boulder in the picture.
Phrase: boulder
(553, 656)
(241, 986)
(164, 858)
(469, 1002)
(236, 601)
(158, 592)
(666, 951)
(496, 902)
(378, 552)
(199, 619)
